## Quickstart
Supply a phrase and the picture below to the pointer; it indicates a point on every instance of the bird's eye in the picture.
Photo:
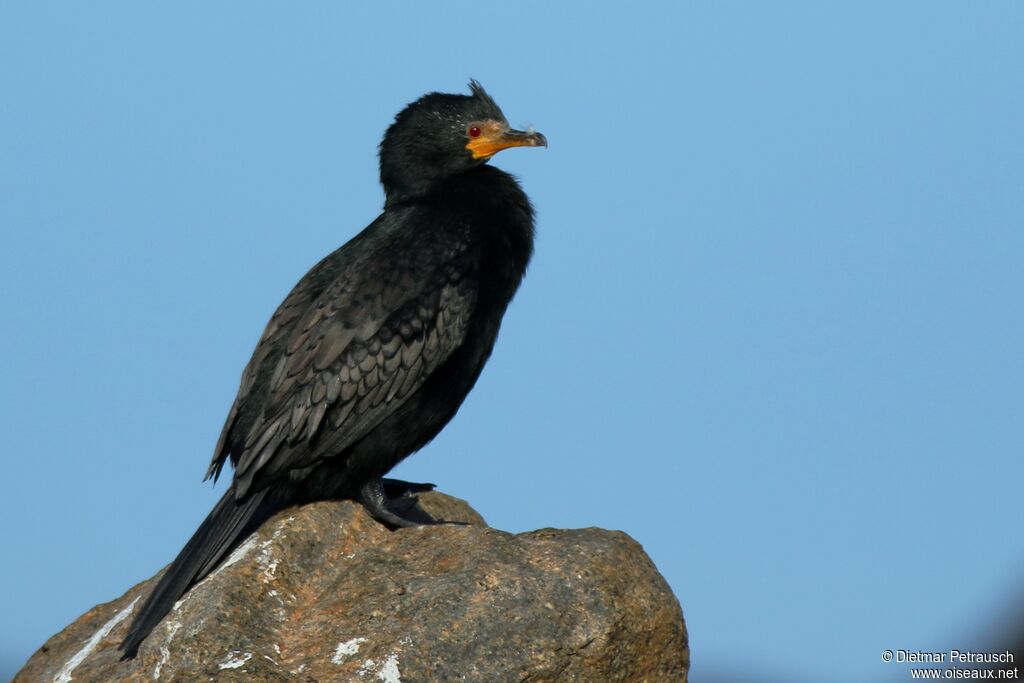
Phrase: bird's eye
(474, 131)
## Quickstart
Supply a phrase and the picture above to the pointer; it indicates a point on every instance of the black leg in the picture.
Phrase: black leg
(393, 502)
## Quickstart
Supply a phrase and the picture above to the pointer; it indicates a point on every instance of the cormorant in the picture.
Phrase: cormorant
(375, 348)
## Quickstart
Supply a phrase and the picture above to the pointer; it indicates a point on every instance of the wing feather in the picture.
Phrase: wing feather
(365, 341)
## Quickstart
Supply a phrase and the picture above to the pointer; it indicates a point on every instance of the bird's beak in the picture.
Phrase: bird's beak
(494, 139)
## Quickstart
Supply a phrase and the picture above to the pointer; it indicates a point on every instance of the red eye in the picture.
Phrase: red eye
(474, 131)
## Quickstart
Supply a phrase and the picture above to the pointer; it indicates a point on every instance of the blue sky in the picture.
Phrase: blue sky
(773, 328)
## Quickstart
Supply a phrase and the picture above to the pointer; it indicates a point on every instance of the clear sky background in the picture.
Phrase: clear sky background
(773, 329)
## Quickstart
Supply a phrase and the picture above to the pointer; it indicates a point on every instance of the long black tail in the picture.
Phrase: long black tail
(223, 529)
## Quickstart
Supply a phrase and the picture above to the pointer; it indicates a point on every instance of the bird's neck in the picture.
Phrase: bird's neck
(496, 206)
(501, 218)
(493, 207)
(405, 192)
(409, 182)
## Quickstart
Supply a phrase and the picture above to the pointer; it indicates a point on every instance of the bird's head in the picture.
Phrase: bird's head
(442, 135)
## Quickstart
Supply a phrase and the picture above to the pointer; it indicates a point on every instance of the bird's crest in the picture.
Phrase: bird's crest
(481, 94)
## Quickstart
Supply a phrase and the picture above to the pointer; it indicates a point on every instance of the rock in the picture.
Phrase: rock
(325, 593)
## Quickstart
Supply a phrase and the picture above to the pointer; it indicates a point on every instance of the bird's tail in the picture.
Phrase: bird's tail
(224, 528)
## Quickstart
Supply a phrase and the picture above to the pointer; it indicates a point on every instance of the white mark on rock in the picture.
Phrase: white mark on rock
(165, 649)
(267, 559)
(389, 672)
(64, 675)
(233, 661)
(236, 555)
(346, 649)
(367, 667)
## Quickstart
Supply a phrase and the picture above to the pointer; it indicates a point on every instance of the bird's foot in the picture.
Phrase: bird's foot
(393, 502)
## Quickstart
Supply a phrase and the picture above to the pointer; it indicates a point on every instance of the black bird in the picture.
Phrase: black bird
(376, 347)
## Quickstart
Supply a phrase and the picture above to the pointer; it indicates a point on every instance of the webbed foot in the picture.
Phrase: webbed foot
(393, 502)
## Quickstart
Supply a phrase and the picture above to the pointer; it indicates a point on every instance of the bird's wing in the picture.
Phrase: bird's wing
(272, 344)
(346, 360)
